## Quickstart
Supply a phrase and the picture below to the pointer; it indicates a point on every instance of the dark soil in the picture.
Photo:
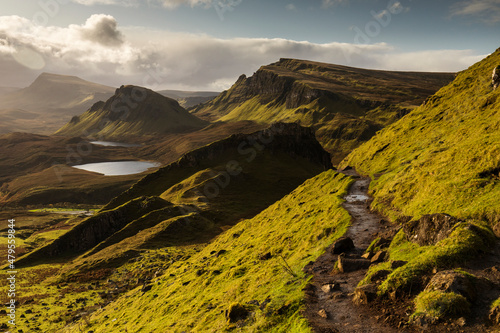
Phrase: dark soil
(385, 315)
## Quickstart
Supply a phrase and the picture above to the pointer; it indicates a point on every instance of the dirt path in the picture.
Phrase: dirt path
(342, 315)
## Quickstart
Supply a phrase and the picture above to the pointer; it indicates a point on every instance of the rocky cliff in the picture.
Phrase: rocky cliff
(328, 97)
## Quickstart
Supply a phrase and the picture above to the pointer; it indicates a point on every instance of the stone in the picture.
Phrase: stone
(342, 245)
(346, 265)
(452, 281)
(495, 77)
(367, 255)
(330, 287)
(365, 294)
(378, 257)
(323, 314)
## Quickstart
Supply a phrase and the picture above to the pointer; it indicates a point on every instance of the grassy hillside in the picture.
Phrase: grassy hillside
(252, 273)
(217, 185)
(132, 112)
(345, 105)
(36, 171)
(444, 156)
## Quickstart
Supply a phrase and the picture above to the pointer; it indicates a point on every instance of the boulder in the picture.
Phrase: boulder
(346, 265)
(452, 281)
(495, 77)
(342, 245)
(378, 257)
(430, 229)
(365, 294)
(330, 287)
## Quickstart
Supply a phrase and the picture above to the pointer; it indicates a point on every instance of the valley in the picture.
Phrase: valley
(309, 197)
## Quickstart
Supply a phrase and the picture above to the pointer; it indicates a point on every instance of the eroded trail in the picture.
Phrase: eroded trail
(331, 309)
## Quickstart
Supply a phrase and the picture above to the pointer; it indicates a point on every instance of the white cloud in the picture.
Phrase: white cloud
(291, 7)
(486, 10)
(164, 3)
(330, 3)
(101, 51)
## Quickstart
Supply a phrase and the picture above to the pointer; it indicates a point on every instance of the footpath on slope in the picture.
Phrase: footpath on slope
(331, 309)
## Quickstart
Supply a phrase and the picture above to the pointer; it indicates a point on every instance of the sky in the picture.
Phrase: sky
(208, 44)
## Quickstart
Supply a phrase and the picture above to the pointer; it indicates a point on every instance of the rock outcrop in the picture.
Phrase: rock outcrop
(495, 77)
(430, 229)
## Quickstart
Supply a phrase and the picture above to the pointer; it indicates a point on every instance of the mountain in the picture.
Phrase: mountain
(195, 198)
(49, 102)
(132, 112)
(188, 99)
(345, 105)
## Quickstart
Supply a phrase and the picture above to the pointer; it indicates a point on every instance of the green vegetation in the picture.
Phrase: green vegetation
(346, 106)
(442, 157)
(465, 242)
(437, 305)
(194, 295)
(132, 112)
(250, 277)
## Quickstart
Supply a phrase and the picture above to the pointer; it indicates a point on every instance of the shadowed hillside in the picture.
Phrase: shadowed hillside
(189, 201)
(48, 103)
(132, 112)
(345, 105)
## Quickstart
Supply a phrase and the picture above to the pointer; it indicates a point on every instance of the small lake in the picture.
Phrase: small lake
(114, 144)
(118, 168)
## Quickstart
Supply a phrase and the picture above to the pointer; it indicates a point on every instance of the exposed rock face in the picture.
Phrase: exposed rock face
(495, 78)
(430, 229)
(452, 281)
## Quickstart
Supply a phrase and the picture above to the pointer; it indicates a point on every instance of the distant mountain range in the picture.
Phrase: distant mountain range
(52, 100)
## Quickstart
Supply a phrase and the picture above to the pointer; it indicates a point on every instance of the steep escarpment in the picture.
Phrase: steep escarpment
(335, 100)
(133, 111)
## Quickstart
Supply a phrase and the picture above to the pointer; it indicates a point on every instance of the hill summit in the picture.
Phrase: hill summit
(132, 111)
(345, 105)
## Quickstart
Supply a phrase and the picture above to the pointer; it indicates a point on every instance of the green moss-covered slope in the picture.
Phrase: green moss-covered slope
(442, 157)
(255, 267)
